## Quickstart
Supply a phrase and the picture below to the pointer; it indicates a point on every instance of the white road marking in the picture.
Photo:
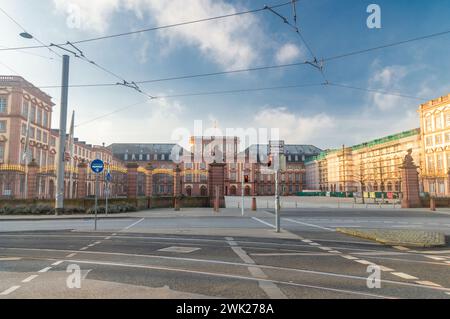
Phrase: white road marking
(290, 254)
(306, 224)
(45, 269)
(10, 258)
(435, 258)
(84, 248)
(58, 263)
(383, 268)
(335, 251)
(71, 255)
(403, 275)
(401, 248)
(314, 244)
(269, 287)
(221, 262)
(108, 238)
(97, 242)
(241, 277)
(177, 249)
(263, 222)
(91, 245)
(326, 248)
(428, 283)
(28, 279)
(364, 262)
(132, 225)
(349, 257)
(306, 241)
(9, 290)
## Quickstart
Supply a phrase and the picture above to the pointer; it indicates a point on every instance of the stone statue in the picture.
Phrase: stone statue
(408, 161)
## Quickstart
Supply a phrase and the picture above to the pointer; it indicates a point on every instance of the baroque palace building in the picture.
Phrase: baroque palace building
(370, 167)
(20, 99)
(374, 166)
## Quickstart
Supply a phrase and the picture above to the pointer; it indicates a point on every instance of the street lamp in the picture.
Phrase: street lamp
(26, 35)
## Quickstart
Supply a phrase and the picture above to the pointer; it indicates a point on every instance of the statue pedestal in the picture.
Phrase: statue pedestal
(410, 186)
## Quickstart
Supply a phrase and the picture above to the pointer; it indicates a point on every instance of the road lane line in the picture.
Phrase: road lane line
(263, 222)
(364, 262)
(97, 243)
(315, 244)
(45, 269)
(428, 283)
(223, 275)
(221, 262)
(132, 225)
(335, 251)
(270, 288)
(349, 257)
(58, 263)
(108, 238)
(10, 258)
(306, 241)
(71, 255)
(326, 248)
(403, 275)
(84, 248)
(9, 290)
(28, 279)
(401, 248)
(306, 224)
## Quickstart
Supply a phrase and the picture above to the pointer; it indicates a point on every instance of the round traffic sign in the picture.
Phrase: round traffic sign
(97, 166)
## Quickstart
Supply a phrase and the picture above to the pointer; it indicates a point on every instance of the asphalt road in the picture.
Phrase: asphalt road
(158, 257)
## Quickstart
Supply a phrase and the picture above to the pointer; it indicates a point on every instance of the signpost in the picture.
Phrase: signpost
(97, 167)
(108, 179)
(276, 151)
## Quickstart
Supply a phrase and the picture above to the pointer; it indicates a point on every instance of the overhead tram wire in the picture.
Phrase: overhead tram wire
(315, 62)
(80, 55)
(157, 27)
(377, 91)
(248, 90)
(23, 29)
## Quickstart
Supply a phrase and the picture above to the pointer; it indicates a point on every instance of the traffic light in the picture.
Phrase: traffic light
(246, 178)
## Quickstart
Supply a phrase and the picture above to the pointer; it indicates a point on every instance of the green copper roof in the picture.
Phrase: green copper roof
(372, 143)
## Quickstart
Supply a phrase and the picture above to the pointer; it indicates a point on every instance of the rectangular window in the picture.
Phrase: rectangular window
(430, 161)
(44, 137)
(441, 186)
(438, 122)
(428, 124)
(3, 104)
(39, 117)
(33, 114)
(438, 139)
(45, 123)
(447, 119)
(188, 178)
(32, 131)
(25, 107)
(188, 165)
(439, 161)
(44, 159)
(429, 141)
(24, 129)
(447, 137)
(38, 135)
(155, 157)
(52, 141)
(2, 126)
(2, 152)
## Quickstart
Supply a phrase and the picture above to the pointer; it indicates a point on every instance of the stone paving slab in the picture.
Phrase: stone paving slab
(409, 238)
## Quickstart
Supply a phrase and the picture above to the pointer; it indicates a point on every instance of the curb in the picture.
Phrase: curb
(371, 236)
(63, 218)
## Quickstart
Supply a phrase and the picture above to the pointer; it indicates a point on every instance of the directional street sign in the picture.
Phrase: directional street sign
(108, 177)
(97, 166)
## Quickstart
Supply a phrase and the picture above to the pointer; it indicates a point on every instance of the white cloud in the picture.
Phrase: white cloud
(294, 128)
(232, 42)
(288, 53)
(388, 79)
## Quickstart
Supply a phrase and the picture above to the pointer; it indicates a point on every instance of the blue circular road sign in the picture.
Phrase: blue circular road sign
(97, 166)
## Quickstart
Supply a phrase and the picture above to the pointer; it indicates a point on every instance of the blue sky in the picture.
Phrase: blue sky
(323, 116)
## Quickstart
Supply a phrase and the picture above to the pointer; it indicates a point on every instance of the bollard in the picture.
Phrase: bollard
(254, 204)
(432, 204)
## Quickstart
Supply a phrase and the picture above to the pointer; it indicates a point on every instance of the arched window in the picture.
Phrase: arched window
(389, 187)
(247, 191)
(189, 191)
(233, 190)
(203, 191)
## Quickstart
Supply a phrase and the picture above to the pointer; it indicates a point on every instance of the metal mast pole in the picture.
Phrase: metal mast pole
(59, 204)
(242, 189)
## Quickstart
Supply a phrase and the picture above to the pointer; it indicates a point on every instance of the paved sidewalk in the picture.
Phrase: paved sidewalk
(161, 212)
